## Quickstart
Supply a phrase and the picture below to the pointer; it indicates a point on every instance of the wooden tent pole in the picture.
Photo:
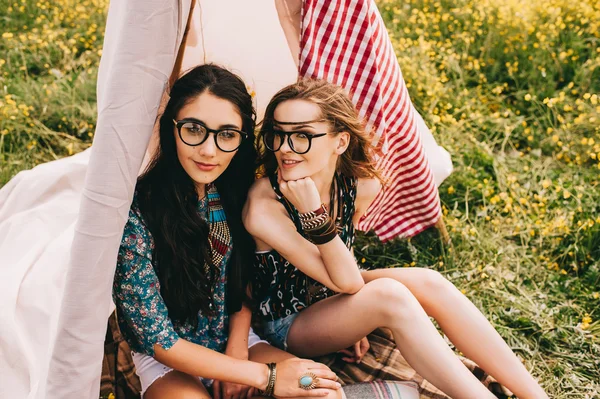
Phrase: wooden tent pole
(180, 53)
(441, 226)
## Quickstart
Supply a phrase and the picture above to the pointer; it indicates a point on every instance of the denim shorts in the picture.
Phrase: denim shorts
(276, 331)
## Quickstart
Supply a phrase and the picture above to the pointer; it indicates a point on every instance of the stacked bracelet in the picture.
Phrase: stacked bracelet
(318, 226)
(322, 234)
(322, 210)
(270, 389)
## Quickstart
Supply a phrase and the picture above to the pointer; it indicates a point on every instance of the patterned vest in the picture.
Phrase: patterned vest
(277, 286)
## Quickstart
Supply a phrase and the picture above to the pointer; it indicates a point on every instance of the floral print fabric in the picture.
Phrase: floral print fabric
(142, 313)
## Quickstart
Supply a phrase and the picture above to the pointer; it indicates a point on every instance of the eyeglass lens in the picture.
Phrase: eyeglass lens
(194, 134)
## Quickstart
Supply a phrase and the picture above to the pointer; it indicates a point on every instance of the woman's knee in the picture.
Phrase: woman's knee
(177, 385)
(435, 285)
(389, 297)
(331, 394)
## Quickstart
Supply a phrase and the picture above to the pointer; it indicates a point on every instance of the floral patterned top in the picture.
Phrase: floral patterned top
(142, 313)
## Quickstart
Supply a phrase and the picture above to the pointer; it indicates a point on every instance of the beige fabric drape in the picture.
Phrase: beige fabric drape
(142, 38)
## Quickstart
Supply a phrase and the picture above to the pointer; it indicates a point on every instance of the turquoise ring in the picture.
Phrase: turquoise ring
(308, 381)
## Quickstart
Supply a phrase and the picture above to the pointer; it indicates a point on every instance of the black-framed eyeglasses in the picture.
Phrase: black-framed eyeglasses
(194, 133)
(299, 142)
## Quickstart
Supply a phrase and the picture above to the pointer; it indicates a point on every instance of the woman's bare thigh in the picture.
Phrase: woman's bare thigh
(177, 385)
(337, 322)
(431, 289)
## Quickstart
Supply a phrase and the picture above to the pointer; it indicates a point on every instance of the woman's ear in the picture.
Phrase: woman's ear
(343, 142)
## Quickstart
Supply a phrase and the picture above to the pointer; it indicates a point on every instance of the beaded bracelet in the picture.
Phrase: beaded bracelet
(315, 222)
(313, 214)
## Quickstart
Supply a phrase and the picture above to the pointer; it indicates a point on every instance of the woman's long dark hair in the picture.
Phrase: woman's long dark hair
(168, 202)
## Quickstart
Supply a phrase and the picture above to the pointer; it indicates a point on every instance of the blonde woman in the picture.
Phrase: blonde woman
(311, 296)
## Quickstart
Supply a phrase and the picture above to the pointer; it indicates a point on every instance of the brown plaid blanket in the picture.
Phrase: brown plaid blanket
(119, 380)
(382, 362)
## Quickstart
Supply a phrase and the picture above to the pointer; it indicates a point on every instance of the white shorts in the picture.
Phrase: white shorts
(150, 370)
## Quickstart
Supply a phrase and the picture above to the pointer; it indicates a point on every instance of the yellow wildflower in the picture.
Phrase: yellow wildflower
(585, 322)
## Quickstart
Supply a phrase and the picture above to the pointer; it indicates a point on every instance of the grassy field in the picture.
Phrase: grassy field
(509, 88)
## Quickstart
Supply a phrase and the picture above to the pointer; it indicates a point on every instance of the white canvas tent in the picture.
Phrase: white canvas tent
(61, 223)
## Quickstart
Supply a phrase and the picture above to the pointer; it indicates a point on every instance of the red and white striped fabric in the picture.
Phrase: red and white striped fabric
(346, 43)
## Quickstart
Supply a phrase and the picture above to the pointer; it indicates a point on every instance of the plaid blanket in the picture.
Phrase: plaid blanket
(382, 362)
(381, 390)
(119, 380)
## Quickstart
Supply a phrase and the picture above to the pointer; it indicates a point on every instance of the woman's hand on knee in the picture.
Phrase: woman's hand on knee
(289, 373)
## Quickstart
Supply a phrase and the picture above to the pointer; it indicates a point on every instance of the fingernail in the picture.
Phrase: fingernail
(337, 384)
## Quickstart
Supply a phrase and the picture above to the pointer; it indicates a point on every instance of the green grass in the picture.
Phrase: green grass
(513, 97)
(49, 53)
(509, 88)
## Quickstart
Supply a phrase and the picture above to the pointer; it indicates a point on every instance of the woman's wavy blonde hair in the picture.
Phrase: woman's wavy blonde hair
(338, 110)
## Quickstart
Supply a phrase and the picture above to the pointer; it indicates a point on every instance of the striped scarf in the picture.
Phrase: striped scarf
(219, 235)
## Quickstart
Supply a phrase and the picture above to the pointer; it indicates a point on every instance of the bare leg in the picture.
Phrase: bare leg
(338, 322)
(177, 385)
(466, 327)
(263, 353)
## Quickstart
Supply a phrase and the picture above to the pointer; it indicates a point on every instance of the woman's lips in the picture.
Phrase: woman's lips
(205, 167)
(288, 164)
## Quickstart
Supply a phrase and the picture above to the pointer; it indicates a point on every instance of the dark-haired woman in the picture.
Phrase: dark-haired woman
(180, 266)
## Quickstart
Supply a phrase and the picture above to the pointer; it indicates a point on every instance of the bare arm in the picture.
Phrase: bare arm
(200, 361)
(239, 327)
(331, 264)
(366, 192)
(197, 360)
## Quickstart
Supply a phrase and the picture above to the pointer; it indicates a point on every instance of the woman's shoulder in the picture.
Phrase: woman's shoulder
(135, 250)
(260, 197)
(367, 190)
(136, 235)
(261, 189)
(368, 186)
(135, 217)
(262, 201)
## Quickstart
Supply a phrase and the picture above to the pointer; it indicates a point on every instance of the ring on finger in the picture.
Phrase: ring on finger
(308, 381)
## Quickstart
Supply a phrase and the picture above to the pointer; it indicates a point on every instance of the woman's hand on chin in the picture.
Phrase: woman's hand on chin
(302, 193)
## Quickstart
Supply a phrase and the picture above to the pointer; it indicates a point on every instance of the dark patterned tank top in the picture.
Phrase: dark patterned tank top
(280, 289)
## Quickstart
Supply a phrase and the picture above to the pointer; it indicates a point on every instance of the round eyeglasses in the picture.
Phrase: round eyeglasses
(194, 133)
(299, 142)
